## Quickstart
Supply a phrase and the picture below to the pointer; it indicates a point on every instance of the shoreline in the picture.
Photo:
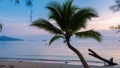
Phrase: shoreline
(72, 62)
(27, 64)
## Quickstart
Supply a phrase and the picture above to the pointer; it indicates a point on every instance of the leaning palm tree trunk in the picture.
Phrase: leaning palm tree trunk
(78, 54)
(65, 16)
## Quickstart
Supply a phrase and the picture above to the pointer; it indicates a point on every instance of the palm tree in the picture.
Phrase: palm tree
(27, 2)
(116, 8)
(0, 27)
(69, 20)
(116, 28)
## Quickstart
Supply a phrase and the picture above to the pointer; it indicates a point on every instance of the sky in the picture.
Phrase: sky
(15, 17)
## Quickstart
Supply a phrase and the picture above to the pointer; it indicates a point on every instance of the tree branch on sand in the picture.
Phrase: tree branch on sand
(109, 62)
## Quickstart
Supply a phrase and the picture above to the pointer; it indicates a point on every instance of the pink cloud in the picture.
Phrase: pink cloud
(21, 30)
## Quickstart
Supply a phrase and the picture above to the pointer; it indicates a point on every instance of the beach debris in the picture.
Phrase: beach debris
(44, 40)
(66, 62)
(12, 66)
(109, 62)
(20, 61)
(1, 66)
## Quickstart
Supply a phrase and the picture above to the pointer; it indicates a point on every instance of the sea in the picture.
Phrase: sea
(58, 52)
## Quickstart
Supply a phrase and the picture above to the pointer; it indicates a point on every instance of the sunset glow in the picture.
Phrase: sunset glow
(20, 19)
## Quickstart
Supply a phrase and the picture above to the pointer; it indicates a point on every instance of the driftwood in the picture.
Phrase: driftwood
(109, 62)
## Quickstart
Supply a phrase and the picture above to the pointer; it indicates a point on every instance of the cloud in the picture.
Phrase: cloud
(104, 22)
(6, 19)
(17, 29)
(20, 27)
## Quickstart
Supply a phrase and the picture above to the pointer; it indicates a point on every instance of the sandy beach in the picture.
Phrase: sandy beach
(21, 64)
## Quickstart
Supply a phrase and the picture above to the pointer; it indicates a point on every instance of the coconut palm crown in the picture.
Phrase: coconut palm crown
(69, 20)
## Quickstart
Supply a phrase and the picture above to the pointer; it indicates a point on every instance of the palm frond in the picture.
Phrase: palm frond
(80, 18)
(89, 34)
(62, 13)
(55, 8)
(44, 24)
(1, 27)
(68, 11)
(56, 13)
(56, 37)
(116, 28)
(27, 2)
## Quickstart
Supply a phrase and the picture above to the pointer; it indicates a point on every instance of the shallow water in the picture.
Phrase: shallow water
(38, 51)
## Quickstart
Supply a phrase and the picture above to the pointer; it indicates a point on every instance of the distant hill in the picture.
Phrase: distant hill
(6, 38)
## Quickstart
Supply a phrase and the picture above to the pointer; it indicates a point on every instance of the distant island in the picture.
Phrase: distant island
(6, 38)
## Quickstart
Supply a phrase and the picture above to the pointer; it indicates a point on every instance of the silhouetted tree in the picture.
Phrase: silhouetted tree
(0, 27)
(69, 20)
(27, 2)
(116, 8)
(116, 28)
